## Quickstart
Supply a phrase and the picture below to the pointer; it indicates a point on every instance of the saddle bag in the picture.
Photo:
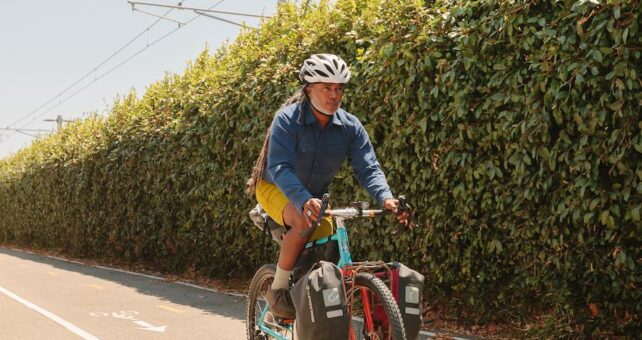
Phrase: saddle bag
(408, 292)
(320, 302)
(267, 225)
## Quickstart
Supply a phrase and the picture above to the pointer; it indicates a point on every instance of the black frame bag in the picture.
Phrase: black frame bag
(326, 251)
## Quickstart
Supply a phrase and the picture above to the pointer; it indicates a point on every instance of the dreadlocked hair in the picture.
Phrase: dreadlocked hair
(259, 167)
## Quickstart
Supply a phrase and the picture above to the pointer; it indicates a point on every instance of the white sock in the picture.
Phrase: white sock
(281, 278)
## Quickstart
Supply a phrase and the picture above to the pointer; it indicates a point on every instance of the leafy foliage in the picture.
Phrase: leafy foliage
(514, 126)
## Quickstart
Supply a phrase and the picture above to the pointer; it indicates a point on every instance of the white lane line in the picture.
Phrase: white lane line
(73, 328)
(427, 334)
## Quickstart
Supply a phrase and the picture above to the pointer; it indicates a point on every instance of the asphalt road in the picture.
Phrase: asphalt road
(42, 297)
(47, 298)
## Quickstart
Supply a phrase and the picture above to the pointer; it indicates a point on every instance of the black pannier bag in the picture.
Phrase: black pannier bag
(408, 292)
(321, 250)
(321, 306)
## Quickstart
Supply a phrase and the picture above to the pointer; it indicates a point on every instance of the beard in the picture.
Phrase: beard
(316, 105)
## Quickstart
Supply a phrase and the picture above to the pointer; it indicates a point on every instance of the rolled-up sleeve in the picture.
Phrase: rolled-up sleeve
(280, 161)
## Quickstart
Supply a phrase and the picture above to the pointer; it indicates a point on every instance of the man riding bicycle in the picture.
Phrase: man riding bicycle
(307, 143)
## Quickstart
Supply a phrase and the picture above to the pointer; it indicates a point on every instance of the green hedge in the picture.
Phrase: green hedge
(515, 128)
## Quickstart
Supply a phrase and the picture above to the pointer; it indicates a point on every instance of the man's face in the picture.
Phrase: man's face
(326, 97)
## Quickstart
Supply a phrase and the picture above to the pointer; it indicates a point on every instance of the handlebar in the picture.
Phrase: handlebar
(359, 209)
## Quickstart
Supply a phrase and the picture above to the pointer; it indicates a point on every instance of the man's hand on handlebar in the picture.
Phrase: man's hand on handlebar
(392, 204)
(311, 210)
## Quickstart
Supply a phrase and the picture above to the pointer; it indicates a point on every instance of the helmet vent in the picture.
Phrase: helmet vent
(327, 67)
(322, 74)
(324, 68)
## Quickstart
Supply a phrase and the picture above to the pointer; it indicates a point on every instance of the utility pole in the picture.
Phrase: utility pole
(35, 133)
(59, 121)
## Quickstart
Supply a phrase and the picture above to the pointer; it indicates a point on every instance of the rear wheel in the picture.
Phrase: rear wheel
(257, 304)
(375, 313)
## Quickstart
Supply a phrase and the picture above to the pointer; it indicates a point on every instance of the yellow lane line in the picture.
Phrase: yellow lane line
(171, 309)
(97, 287)
(53, 274)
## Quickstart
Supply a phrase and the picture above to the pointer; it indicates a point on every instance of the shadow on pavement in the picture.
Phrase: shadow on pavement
(209, 302)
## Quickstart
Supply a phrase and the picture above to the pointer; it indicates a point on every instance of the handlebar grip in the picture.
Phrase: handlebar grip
(306, 233)
(404, 207)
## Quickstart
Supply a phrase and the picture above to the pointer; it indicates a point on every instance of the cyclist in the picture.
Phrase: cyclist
(307, 143)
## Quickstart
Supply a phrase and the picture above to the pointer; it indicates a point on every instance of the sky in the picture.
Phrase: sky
(47, 46)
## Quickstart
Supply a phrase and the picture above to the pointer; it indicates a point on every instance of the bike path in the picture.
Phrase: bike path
(46, 297)
(43, 297)
(18, 322)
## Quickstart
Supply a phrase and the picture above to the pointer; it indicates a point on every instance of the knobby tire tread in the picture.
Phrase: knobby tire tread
(257, 281)
(391, 308)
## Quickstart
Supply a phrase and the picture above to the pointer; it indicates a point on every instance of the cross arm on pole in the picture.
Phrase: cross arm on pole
(180, 23)
(180, 6)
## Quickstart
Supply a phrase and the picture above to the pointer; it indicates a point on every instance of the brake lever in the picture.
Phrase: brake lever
(306, 233)
(404, 206)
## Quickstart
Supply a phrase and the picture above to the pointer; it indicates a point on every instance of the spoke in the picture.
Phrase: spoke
(267, 321)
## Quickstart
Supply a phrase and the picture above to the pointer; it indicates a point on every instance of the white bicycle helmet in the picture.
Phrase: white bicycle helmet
(324, 68)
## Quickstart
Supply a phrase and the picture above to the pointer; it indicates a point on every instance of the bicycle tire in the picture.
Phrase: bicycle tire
(256, 302)
(384, 298)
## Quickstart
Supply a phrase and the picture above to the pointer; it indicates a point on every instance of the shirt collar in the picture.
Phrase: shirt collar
(309, 118)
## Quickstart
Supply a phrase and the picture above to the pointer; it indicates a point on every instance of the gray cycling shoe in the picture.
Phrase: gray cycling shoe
(280, 303)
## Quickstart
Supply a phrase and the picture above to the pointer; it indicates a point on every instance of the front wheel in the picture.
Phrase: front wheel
(375, 313)
(261, 325)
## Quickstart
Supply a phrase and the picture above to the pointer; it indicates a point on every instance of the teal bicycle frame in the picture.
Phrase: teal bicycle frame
(345, 259)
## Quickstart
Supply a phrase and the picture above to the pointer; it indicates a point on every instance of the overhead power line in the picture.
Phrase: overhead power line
(119, 65)
(217, 18)
(180, 6)
(90, 72)
(109, 71)
(22, 131)
(106, 73)
(160, 16)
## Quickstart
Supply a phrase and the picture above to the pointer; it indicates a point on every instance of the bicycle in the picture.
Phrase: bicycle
(375, 313)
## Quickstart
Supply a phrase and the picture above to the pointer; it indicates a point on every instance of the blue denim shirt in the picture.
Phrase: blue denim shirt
(303, 158)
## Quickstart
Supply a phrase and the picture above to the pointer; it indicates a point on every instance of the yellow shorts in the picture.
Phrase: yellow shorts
(273, 201)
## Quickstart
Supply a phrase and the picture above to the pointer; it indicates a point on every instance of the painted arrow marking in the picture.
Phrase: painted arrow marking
(148, 327)
(129, 315)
